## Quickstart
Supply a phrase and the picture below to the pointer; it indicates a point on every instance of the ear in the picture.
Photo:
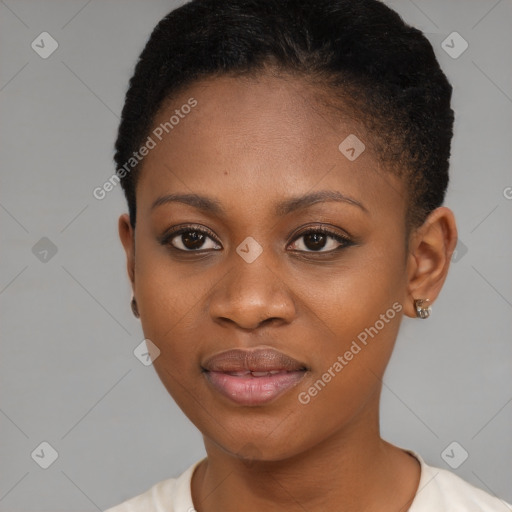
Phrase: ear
(127, 236)
(430, 251)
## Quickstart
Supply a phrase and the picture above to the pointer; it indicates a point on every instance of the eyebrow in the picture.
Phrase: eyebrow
(210, 205)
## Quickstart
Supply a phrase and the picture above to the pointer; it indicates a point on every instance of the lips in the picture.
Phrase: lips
(255, 360)
(253, 377)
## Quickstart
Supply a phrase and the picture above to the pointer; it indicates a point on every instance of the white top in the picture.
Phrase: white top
(439, 490)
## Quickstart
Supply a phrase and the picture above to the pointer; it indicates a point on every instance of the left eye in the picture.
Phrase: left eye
(319, 240)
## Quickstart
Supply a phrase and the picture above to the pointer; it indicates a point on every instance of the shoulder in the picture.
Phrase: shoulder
(442, 490)
(171, 495)
(147, 501)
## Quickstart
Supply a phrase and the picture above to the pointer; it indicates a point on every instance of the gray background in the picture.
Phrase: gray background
(68, 373)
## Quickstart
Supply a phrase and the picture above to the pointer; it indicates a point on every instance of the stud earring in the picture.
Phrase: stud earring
(135, 309)
(423, 308)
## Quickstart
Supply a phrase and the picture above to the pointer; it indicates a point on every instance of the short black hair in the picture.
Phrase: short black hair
(361, 50)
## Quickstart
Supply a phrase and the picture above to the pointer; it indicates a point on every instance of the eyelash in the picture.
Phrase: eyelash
(344, 241)
(167, 238)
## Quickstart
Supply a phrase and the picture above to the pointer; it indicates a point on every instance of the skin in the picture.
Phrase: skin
(249, 144)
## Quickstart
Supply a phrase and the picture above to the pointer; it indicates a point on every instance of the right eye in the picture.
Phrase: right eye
(191, 239)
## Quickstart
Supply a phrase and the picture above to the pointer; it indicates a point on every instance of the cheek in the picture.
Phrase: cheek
(355, 296)
(348, 367)
(170, 303)
(170, 298)
(357, 317)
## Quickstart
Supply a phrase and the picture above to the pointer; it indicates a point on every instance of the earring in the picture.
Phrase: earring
(423, 308)
(135, 309)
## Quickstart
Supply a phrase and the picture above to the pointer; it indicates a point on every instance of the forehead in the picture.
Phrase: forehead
(261, 136)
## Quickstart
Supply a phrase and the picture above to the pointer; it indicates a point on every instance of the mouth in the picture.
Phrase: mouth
(253, 377)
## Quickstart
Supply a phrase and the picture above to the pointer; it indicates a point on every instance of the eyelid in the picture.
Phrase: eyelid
(324, 228)
(174, 231)
(345, 239)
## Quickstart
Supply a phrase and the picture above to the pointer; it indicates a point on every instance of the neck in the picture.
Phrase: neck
(353, 469)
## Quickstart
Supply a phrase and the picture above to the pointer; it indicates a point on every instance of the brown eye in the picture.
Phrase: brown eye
(191, 239)
(315, 240)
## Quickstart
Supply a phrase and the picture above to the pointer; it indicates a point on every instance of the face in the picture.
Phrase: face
(294, 262)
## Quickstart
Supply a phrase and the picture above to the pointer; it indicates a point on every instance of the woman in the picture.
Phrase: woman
(285, 164)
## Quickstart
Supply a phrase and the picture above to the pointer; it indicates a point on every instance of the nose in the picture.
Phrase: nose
(252, 294)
